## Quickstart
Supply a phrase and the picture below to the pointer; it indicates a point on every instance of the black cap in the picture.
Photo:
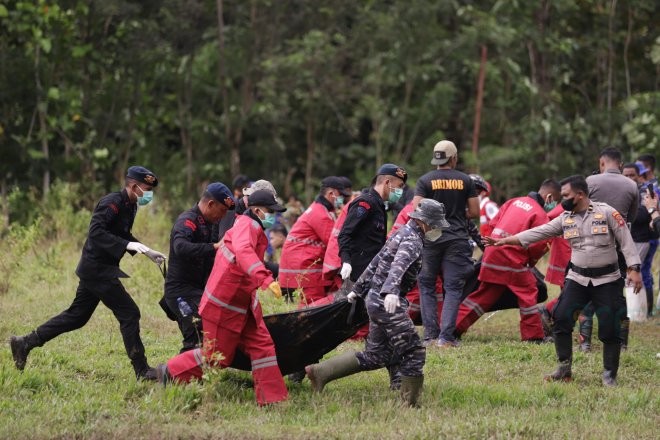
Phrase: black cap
(348, 186)
(266, 199)
(143, 175)
(389, 169)
(338, 183)
(222, 194)
(241, 181)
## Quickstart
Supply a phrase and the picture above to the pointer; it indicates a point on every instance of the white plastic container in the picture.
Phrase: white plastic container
(636, 304)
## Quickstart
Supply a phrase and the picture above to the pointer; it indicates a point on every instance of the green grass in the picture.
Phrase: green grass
(81, 385)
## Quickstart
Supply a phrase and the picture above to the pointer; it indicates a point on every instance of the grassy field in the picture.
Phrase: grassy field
(81, 385)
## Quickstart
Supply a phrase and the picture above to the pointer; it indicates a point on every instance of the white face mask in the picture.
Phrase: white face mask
(433, 234)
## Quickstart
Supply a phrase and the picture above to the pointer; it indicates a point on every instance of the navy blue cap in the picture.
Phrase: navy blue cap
(389, 169)
(266, 199)
(222, 194)
(143, 175)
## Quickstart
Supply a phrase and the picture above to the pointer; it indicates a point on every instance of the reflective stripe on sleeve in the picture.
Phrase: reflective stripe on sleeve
(504, 268)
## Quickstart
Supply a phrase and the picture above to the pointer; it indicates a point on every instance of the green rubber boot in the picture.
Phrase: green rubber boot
(411, 388)
(339, 366)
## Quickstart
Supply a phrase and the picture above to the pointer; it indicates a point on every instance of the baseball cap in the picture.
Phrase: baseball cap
(641, 167)
(260, 184)
(141, 174)
(222, 194)
(240, 181)
(389, 169)
(266, 199)
(337, 183)
(442, 152)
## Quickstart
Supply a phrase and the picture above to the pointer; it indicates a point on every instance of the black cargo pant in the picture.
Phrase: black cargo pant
(608, 303)
(116, 298)
(191, 325)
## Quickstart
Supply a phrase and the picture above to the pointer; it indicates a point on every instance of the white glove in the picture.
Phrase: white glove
(137, 247)
(391, 302)
(155, 256)
(346, 270)
(351, 297)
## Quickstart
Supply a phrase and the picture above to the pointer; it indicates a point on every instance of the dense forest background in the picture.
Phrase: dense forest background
(291, 91)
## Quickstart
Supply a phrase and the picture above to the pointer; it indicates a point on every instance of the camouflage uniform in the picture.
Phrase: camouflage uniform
(393, 336)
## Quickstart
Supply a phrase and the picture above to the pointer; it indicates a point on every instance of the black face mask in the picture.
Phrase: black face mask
(568, 204)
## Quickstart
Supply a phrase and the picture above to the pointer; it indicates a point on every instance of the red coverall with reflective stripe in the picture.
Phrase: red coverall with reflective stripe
(560, 256)
(231, 314)
(332, 260)
(301, 263)
(509, 266)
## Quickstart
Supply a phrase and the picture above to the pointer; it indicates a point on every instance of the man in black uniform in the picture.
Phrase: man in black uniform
(192, 252)
(108, 239)
(364, 231)
(451, 255)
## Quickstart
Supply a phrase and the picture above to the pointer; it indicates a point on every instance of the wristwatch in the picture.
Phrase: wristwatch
(635, 268)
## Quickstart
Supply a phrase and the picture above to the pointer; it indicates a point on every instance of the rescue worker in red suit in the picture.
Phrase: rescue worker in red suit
(487, 208)
(230, 309)
(301, 263)
(560, 256)
(510, 266)
(332, 260)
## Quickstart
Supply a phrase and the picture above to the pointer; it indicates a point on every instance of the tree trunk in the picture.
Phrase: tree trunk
(479, 101)
(309, 163)
(610, 66)
(626, 46)
(230, 138)
(5, 204)
(42, 106)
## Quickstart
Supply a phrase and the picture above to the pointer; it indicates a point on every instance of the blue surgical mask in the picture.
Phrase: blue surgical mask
(549, 206)
(339, 202)
(269, 220)
(145, 198)
(395, 194)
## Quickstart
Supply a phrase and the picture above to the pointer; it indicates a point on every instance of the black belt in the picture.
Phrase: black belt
(595, 272)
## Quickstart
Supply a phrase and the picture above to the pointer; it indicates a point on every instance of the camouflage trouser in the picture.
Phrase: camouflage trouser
(391, 336)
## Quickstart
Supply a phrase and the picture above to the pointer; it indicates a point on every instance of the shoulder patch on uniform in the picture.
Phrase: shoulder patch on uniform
(619, 218)
(114, 208)
(364, 204)
(190, 224)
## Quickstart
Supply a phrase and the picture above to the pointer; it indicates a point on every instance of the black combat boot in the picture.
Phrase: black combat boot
(21, 346)
(586, 327)
(143, 371)
(611, 354)
(562, 373)
(339, 366)
(411, 388)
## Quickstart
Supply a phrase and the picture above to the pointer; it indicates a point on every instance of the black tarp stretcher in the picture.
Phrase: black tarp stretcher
(302, 337)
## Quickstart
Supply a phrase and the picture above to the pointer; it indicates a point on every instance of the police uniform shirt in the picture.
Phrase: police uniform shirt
(109, 234)
(363, 232)
(593, 235)
(191, 254)
(453, 188)
(616, 190)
